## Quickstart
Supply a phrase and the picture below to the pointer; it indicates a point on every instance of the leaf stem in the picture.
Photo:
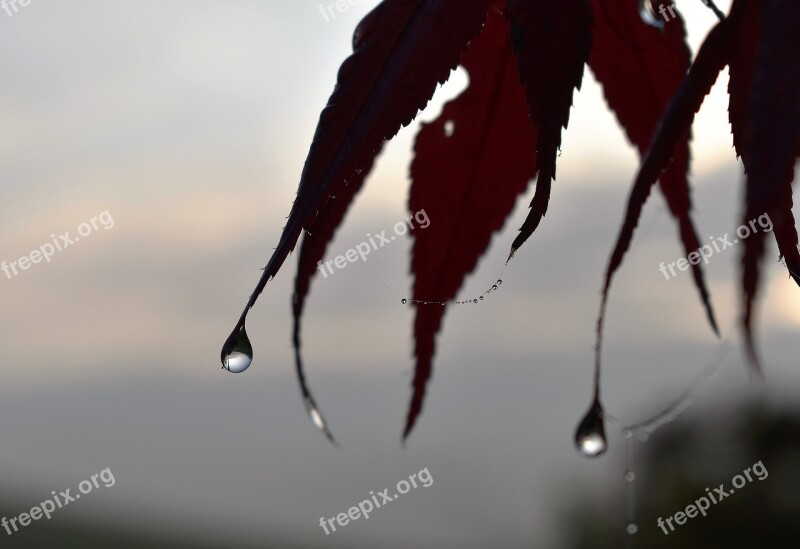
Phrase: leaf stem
(713, 7)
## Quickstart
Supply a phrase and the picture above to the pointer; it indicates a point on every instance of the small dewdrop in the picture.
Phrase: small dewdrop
(630, 476)
(237, 353)
(590, 436)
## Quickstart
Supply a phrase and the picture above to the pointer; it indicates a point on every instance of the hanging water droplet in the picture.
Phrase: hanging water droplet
(237, 352)
(631, 528)
(590, 436)
(499, 281)
(630, 476)
(494, 287)
(474, 300)
(481, 298)
(316, 417)
(404, 301)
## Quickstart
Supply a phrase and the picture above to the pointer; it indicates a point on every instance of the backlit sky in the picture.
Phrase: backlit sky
(189, 122)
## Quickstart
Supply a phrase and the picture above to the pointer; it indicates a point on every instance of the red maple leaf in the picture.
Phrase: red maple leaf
(525, 59)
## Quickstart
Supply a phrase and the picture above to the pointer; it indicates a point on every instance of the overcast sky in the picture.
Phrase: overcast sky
(188, 122)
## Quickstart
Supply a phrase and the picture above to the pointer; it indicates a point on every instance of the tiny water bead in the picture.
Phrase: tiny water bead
(632, 528)
(627, 433)
(590, 436)
(237, 352)
(316, 417)
(474, 300)
(630, 476)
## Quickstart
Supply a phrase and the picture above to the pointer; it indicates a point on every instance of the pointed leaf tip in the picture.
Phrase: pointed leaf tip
(487, 162)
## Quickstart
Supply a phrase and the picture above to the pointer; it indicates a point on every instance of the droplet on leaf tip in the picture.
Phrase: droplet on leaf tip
(317, 419)
(237, 352)
(590, 436)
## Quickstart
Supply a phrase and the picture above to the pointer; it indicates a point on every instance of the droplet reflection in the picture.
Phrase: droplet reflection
(590, 436)
(237, 353)
(316, 417)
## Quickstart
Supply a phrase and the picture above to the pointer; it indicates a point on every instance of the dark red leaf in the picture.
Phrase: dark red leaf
(640, 69)
(552, 42)
(673, 128)
(742, 67)
(467, 183)
(742, 73)
(402, 50)
(772, 139)
(312, 251)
